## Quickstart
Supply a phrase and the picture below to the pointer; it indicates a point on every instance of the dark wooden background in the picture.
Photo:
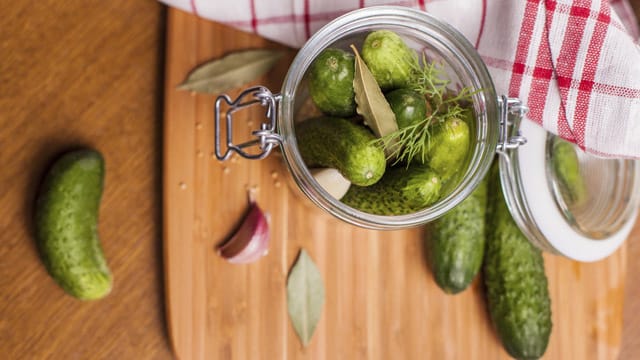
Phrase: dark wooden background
(90, 73)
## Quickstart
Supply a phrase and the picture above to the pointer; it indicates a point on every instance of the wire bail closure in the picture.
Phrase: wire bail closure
(266, 136)
(517, 110)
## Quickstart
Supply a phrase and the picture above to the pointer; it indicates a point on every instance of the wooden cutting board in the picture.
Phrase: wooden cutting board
(381, 300)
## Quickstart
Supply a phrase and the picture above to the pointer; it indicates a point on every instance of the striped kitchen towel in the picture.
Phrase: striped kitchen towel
(574, 63)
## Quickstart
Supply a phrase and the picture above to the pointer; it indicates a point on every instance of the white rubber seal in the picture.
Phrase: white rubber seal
(551, 222)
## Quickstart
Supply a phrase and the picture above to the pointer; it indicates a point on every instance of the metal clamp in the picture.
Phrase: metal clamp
(514, 108)
(266, 136)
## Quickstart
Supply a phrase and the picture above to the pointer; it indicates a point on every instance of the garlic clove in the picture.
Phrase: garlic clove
(251, 241)
(331, 181)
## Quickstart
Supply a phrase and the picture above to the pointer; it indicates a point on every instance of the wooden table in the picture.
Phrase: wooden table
(90, 73)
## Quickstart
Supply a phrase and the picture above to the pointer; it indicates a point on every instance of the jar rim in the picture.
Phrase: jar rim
(431, 29)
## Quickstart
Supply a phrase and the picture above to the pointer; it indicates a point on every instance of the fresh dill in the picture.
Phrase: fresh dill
(414, 141)
(428, 78)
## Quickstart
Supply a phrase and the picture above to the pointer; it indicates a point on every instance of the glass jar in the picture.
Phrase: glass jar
(496, 125)
(587, 228)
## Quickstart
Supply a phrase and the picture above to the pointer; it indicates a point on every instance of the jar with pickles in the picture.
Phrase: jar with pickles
(388, 118)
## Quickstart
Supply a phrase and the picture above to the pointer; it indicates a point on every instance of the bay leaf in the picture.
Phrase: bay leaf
(305, 296)
(370, 102)
(231, 71)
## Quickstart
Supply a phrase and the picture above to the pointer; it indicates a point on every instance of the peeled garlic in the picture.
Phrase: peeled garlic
(331, 181)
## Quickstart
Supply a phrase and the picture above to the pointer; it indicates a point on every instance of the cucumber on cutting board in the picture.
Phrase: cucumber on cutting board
(67, 225)
(515, 281)
(455, 247)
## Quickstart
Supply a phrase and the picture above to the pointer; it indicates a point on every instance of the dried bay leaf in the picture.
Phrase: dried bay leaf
(305, 296)
(370, 101)
(231, 71)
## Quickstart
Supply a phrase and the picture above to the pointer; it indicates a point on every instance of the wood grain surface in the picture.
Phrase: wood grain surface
(381, 301)
(82, 73)
(90, 72)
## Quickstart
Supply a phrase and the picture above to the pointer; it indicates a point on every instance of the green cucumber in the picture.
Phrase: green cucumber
(455, 247)
(66, 222)
(343, 145)
(516, 285)
(331, 82)
(390, 60)
(400, 191)
(566, 167)
(448, 147)
(409, 107)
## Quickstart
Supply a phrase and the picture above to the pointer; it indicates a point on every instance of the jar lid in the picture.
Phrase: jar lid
(566, 201)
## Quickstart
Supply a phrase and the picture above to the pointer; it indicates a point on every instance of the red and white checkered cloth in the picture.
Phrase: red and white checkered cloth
(574, 63)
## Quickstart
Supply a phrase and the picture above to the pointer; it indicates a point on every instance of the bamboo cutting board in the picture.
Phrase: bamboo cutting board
(381, 301)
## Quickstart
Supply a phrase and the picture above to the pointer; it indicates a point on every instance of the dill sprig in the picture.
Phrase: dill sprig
(428, 78)
(414, 141)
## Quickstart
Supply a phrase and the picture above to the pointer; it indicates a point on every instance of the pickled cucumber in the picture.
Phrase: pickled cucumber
(390, 60)
(331, 82)
(567, 170)
(400, 191)
(448, 147)
(343, 145)
(409, 107)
